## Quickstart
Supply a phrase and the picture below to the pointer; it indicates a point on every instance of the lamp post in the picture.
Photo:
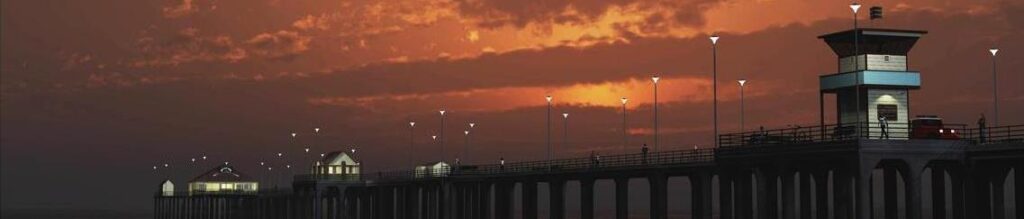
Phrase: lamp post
(714, 84)
(442, 111)
(317, 139)
(433, 139)
(742, 83)
(277, 180)
(624, 128)
(995, 94)
(565, 130)
(468, 139)
(655, 79)
(412, 142)
(856, 64)
(548, 114)
(309, 158)
(265, 176)
(465, 150)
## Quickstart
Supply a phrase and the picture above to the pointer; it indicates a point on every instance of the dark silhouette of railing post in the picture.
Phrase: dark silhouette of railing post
(365, 203)
(998, 200)
(767, 193)
(889, 176)
(412, 193)
(744, 195)
(484, 197)
(842, 193)
(805, 193)
(1018, 181)
(658, 195)
(529, 190)
(700, 190)
(458, 202)
(938, 191)
(587, 198)
(503, 200)
(821, 191)
(725, 194)
(788, 192)
(622, 198)
(557, 198)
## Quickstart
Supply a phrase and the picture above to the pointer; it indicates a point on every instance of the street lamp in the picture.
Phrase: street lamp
(714, 84)
(565, 130)
(549, 125)
(856, 62)
(995, 95)
(442, 111)
(465, 150)
(412, 141)
(655, 79)
(624, 134)
(742, 82)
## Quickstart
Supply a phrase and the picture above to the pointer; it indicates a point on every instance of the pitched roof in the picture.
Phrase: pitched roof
(223, 173)
(435, 163)
(336, 156)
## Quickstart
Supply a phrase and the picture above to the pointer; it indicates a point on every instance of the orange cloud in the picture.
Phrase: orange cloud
(606, 94)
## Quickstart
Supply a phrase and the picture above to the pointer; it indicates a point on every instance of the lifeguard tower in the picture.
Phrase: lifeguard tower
(872, 82)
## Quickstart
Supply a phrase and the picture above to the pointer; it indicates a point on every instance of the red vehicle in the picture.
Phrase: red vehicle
(930, 127)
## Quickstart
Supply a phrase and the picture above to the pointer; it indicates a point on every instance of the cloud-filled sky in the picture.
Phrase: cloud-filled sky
(94, 93)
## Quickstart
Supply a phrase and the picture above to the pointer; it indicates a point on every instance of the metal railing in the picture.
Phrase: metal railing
(593, 163)
(184, 193)
(328, 177)
(793, 135)
(833, 132)
(999, 134)
(874, 130)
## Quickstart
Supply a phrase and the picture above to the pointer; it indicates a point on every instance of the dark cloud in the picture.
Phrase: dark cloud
(497, 13)
(279, 45)
(188, 45)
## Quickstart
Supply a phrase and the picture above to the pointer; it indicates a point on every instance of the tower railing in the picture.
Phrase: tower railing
(872, 130)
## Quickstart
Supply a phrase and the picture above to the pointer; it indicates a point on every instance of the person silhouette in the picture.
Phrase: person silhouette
(883, 123)
(982, 129)
(644, 151)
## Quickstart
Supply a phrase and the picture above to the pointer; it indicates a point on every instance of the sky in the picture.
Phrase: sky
(96, 93)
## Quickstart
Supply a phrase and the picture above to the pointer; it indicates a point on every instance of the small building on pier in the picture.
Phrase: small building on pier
(223, 179)
(167, 188)
(338, 164)
(434, 169)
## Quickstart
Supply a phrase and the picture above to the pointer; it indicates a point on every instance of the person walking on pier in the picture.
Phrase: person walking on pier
(644, 150)
(501, 163)
(981, 129)
(884, 125)
(593, 159)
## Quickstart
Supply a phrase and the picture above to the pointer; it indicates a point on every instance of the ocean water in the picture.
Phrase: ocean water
(74, 214)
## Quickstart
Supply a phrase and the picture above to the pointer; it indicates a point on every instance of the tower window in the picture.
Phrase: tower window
(888, 111)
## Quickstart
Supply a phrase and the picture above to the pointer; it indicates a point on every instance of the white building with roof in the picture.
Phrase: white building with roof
(223, 179)
(433, 169)
(339, 165)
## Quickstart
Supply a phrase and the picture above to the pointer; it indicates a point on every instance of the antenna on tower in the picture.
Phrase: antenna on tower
(876, 13)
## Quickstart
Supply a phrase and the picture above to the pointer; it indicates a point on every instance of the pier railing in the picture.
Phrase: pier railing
(787, 136)
(595, 162)
(328, 177)
(893, 131)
